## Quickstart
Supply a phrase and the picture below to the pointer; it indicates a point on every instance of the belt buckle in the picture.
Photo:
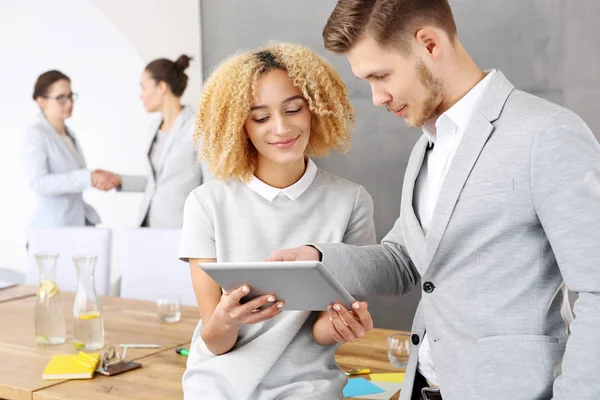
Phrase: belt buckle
(431, 394)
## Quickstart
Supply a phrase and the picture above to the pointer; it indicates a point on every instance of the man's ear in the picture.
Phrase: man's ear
(429, 40)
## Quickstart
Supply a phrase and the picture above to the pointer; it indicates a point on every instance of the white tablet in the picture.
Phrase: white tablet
(302, 285)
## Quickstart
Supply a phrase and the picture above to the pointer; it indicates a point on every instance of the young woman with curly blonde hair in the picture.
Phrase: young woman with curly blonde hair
(261, 116)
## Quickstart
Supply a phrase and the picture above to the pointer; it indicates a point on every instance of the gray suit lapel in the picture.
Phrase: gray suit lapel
(415, 238)
(154, 127)
(472, 143)
(176, 130)
(169, 143)
(54, 136)
(81, 158)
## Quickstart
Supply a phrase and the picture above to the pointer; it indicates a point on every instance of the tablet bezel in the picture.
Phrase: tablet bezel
(231, 275)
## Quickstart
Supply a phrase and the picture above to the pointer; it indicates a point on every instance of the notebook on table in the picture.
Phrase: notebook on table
(72, 366)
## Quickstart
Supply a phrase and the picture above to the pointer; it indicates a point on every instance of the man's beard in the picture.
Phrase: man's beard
(434, 88)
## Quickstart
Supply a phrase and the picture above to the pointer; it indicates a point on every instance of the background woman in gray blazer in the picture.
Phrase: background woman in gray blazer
(54, 163)
(173, 170)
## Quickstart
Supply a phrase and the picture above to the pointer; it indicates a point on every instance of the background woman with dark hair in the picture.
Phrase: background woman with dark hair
(172, 169)
(54, 162)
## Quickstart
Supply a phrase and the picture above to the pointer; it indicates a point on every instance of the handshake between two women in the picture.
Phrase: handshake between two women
(105, 180)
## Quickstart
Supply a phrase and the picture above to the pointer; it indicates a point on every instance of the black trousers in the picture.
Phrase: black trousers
(422, 391)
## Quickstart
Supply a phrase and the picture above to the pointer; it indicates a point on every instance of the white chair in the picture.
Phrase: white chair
(10, 275)
(151, 268)
(69, 242)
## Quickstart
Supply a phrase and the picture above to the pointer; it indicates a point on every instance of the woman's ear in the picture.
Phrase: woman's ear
(41, 102)
(163, 88)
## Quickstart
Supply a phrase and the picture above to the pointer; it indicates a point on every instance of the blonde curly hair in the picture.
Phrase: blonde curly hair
(228, 95)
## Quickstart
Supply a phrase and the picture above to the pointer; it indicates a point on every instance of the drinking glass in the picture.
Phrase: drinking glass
(168, 309)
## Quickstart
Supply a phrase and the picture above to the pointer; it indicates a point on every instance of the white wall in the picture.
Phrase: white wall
(103, 46)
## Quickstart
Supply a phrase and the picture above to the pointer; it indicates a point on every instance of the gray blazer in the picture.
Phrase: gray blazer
(57, 178)
(518, 216)
(166, 190)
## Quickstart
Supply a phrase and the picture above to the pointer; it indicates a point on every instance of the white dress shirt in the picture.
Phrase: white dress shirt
(157, 150)
(292, 192)
(445, 134)
(71, 145)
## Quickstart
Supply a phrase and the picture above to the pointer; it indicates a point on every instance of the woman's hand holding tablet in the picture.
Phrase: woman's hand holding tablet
(233, 311)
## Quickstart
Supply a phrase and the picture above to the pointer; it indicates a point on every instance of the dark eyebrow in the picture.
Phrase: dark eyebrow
(283, 102)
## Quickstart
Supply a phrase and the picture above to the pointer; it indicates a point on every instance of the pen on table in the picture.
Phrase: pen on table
(358, 371)
(141, 346)
(182, 351)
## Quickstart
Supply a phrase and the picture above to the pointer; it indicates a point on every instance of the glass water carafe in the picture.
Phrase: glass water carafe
(48, 310)
(87, 312)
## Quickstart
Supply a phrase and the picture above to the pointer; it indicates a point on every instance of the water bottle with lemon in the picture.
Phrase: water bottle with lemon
(87, 311)
(49, 309)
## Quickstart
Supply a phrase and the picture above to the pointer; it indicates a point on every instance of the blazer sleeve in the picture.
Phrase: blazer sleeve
(133, 183)
(376, 269)
(361, 227)
(41, 179)
(565, 186)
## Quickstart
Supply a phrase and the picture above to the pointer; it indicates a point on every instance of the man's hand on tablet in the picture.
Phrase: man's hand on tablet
(338, 324)
(302, 253)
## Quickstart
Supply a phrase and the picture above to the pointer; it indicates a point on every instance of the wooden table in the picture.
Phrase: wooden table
(17, 292)
(158, 379)
(160, 376)
(368, 352)
(129, 321)
(126, 321)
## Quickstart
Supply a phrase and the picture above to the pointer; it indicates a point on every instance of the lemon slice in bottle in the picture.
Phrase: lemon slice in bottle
(47, 289)
(89, 315)
(41, 339)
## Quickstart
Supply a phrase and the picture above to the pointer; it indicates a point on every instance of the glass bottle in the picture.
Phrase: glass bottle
(88, 330)
(49, 311)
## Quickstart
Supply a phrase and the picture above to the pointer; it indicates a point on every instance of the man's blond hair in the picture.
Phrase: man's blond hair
(389, 22)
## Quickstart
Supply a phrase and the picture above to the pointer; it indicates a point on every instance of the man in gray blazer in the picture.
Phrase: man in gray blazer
(499, 210)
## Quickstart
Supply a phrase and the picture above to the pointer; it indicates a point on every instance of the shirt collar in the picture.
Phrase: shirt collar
(292, 192)
(460, 113)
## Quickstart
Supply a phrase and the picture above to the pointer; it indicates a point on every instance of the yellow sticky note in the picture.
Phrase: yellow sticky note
(71, 366)
(388, 377)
